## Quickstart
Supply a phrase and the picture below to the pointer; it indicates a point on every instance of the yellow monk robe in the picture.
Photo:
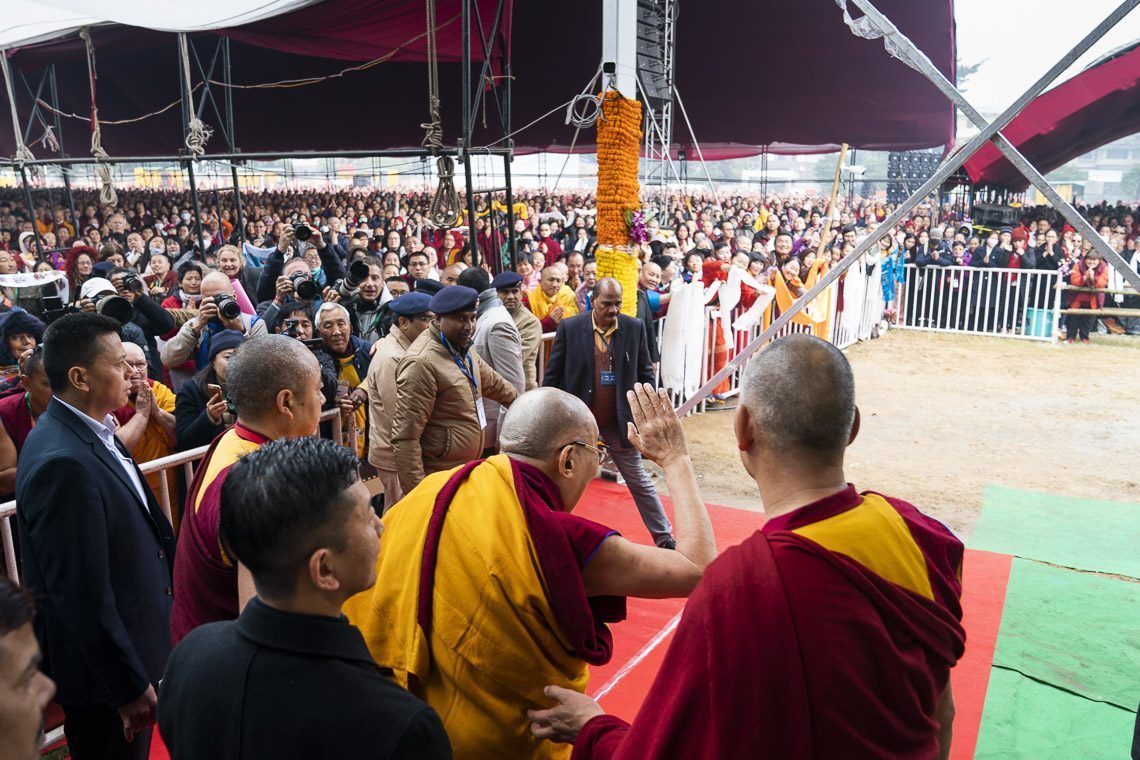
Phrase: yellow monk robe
(360, 416)
(817, 314)
(494, 610)
(155, 443)
(541, 304)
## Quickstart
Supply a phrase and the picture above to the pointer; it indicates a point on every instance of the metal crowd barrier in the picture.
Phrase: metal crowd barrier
(1009, 303)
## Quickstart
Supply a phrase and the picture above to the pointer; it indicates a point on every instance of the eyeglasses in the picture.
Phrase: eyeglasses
(599, 448)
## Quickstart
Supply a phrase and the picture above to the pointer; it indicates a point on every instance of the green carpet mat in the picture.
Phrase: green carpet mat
(1064, 682)
(1024, 719)
(1086, 534)
(1076, 631)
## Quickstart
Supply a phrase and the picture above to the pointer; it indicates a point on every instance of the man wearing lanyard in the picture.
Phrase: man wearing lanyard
(439, 419)
(598, 357)
(274, 386)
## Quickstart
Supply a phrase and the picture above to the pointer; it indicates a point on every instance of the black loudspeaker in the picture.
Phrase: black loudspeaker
(652, 39)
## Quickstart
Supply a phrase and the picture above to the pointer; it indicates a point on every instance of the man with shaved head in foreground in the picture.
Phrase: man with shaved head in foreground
(828, 633)
(489, 588)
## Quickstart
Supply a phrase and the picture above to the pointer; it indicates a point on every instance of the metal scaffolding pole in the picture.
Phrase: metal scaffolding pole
(231, 139)
(949, 165)
(465, 143)
(59, 140)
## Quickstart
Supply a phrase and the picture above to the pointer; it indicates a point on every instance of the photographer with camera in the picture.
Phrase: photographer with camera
(362, 293)
(219, 311)
(151, 318)
(98, 295)
(297, 238)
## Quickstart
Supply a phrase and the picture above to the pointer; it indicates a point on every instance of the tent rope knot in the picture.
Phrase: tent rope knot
(197, 133)
(107, 194)
(444, 210)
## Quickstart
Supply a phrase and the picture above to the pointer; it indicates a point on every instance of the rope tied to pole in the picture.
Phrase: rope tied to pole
(197, 133)
(444, 210)
(23, 152)
(107, 194)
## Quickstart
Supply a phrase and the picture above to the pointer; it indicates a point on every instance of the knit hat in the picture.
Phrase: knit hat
(224, 340)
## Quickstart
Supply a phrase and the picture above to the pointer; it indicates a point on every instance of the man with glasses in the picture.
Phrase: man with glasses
(598, 357)
(489, 587)
(146, 421)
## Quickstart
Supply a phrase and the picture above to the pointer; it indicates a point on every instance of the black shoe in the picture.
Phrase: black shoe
(667, 543)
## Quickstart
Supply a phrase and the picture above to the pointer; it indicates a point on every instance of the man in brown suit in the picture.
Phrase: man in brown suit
(413, 315)
(439, 418)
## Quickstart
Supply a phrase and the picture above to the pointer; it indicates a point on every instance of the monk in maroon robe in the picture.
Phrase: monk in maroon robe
(829, 633)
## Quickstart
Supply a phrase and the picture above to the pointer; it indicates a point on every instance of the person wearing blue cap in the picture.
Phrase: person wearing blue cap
(498, 342)
(439, 417)
(413, 315)
(509, 287)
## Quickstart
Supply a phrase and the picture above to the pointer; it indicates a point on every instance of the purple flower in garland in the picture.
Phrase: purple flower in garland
(638, 233)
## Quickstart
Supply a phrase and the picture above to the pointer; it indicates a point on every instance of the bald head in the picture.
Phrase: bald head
(540, 422)
(800, 396)
(262, 367)
(607, 286)
(216, 283)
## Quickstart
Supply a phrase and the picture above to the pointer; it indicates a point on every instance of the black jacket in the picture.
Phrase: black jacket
(192, 426)
(571, 363)
(98, 561)
(274, 684)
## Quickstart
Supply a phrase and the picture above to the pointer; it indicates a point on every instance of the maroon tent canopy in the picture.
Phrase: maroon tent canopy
(1097, 106)
(751, 74)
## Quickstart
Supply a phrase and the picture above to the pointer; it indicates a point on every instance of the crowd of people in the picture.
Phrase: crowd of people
(129, 337)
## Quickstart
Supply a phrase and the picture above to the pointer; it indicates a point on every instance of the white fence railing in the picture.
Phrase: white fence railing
(1012, 303)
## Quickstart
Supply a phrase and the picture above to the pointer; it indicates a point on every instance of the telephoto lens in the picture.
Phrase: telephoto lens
(227, 306)
(357, 273)
(303, 286)
(302, 232)
(133, 283)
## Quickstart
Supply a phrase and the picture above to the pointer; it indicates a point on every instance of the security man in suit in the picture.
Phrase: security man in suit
(598, 356)
(97, 550)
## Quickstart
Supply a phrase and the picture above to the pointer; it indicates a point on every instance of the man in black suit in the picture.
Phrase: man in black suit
(598, 356)
(97, 549)
(291, 677)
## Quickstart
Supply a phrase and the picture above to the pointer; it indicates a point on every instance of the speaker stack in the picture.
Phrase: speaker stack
(907, 170)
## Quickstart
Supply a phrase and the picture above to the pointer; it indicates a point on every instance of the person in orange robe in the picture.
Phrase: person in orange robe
(829, 633)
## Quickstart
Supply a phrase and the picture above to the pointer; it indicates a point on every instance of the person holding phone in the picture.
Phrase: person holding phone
(201, 412)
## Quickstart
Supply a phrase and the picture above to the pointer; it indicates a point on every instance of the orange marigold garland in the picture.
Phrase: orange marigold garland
(619, 148)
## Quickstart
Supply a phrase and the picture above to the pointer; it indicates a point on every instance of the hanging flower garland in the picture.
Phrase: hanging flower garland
(619, 215)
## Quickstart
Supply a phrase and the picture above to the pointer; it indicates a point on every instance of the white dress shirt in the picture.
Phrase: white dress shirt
(105, 431)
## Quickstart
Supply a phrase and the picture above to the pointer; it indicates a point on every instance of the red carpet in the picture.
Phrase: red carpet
(641, 640)
(984, 579)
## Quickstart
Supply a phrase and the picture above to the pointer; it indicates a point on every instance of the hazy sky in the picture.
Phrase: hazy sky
(1021, 39)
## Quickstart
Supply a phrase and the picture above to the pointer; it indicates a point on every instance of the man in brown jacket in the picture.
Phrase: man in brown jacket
(439, 418)
(509, 287)
(413, 314)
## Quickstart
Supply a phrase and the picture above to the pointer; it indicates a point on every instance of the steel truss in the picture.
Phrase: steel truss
(874, 25)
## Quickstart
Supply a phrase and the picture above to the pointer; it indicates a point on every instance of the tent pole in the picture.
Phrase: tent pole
(465, 144)
(31, 211)
(189, 163)
(511, 243)
(59, 140)
(231, 139)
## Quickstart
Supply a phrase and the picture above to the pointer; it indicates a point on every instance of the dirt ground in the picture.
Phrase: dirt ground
(944, 415)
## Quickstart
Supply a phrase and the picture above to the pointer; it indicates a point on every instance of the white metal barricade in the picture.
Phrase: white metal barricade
(1011, 303)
